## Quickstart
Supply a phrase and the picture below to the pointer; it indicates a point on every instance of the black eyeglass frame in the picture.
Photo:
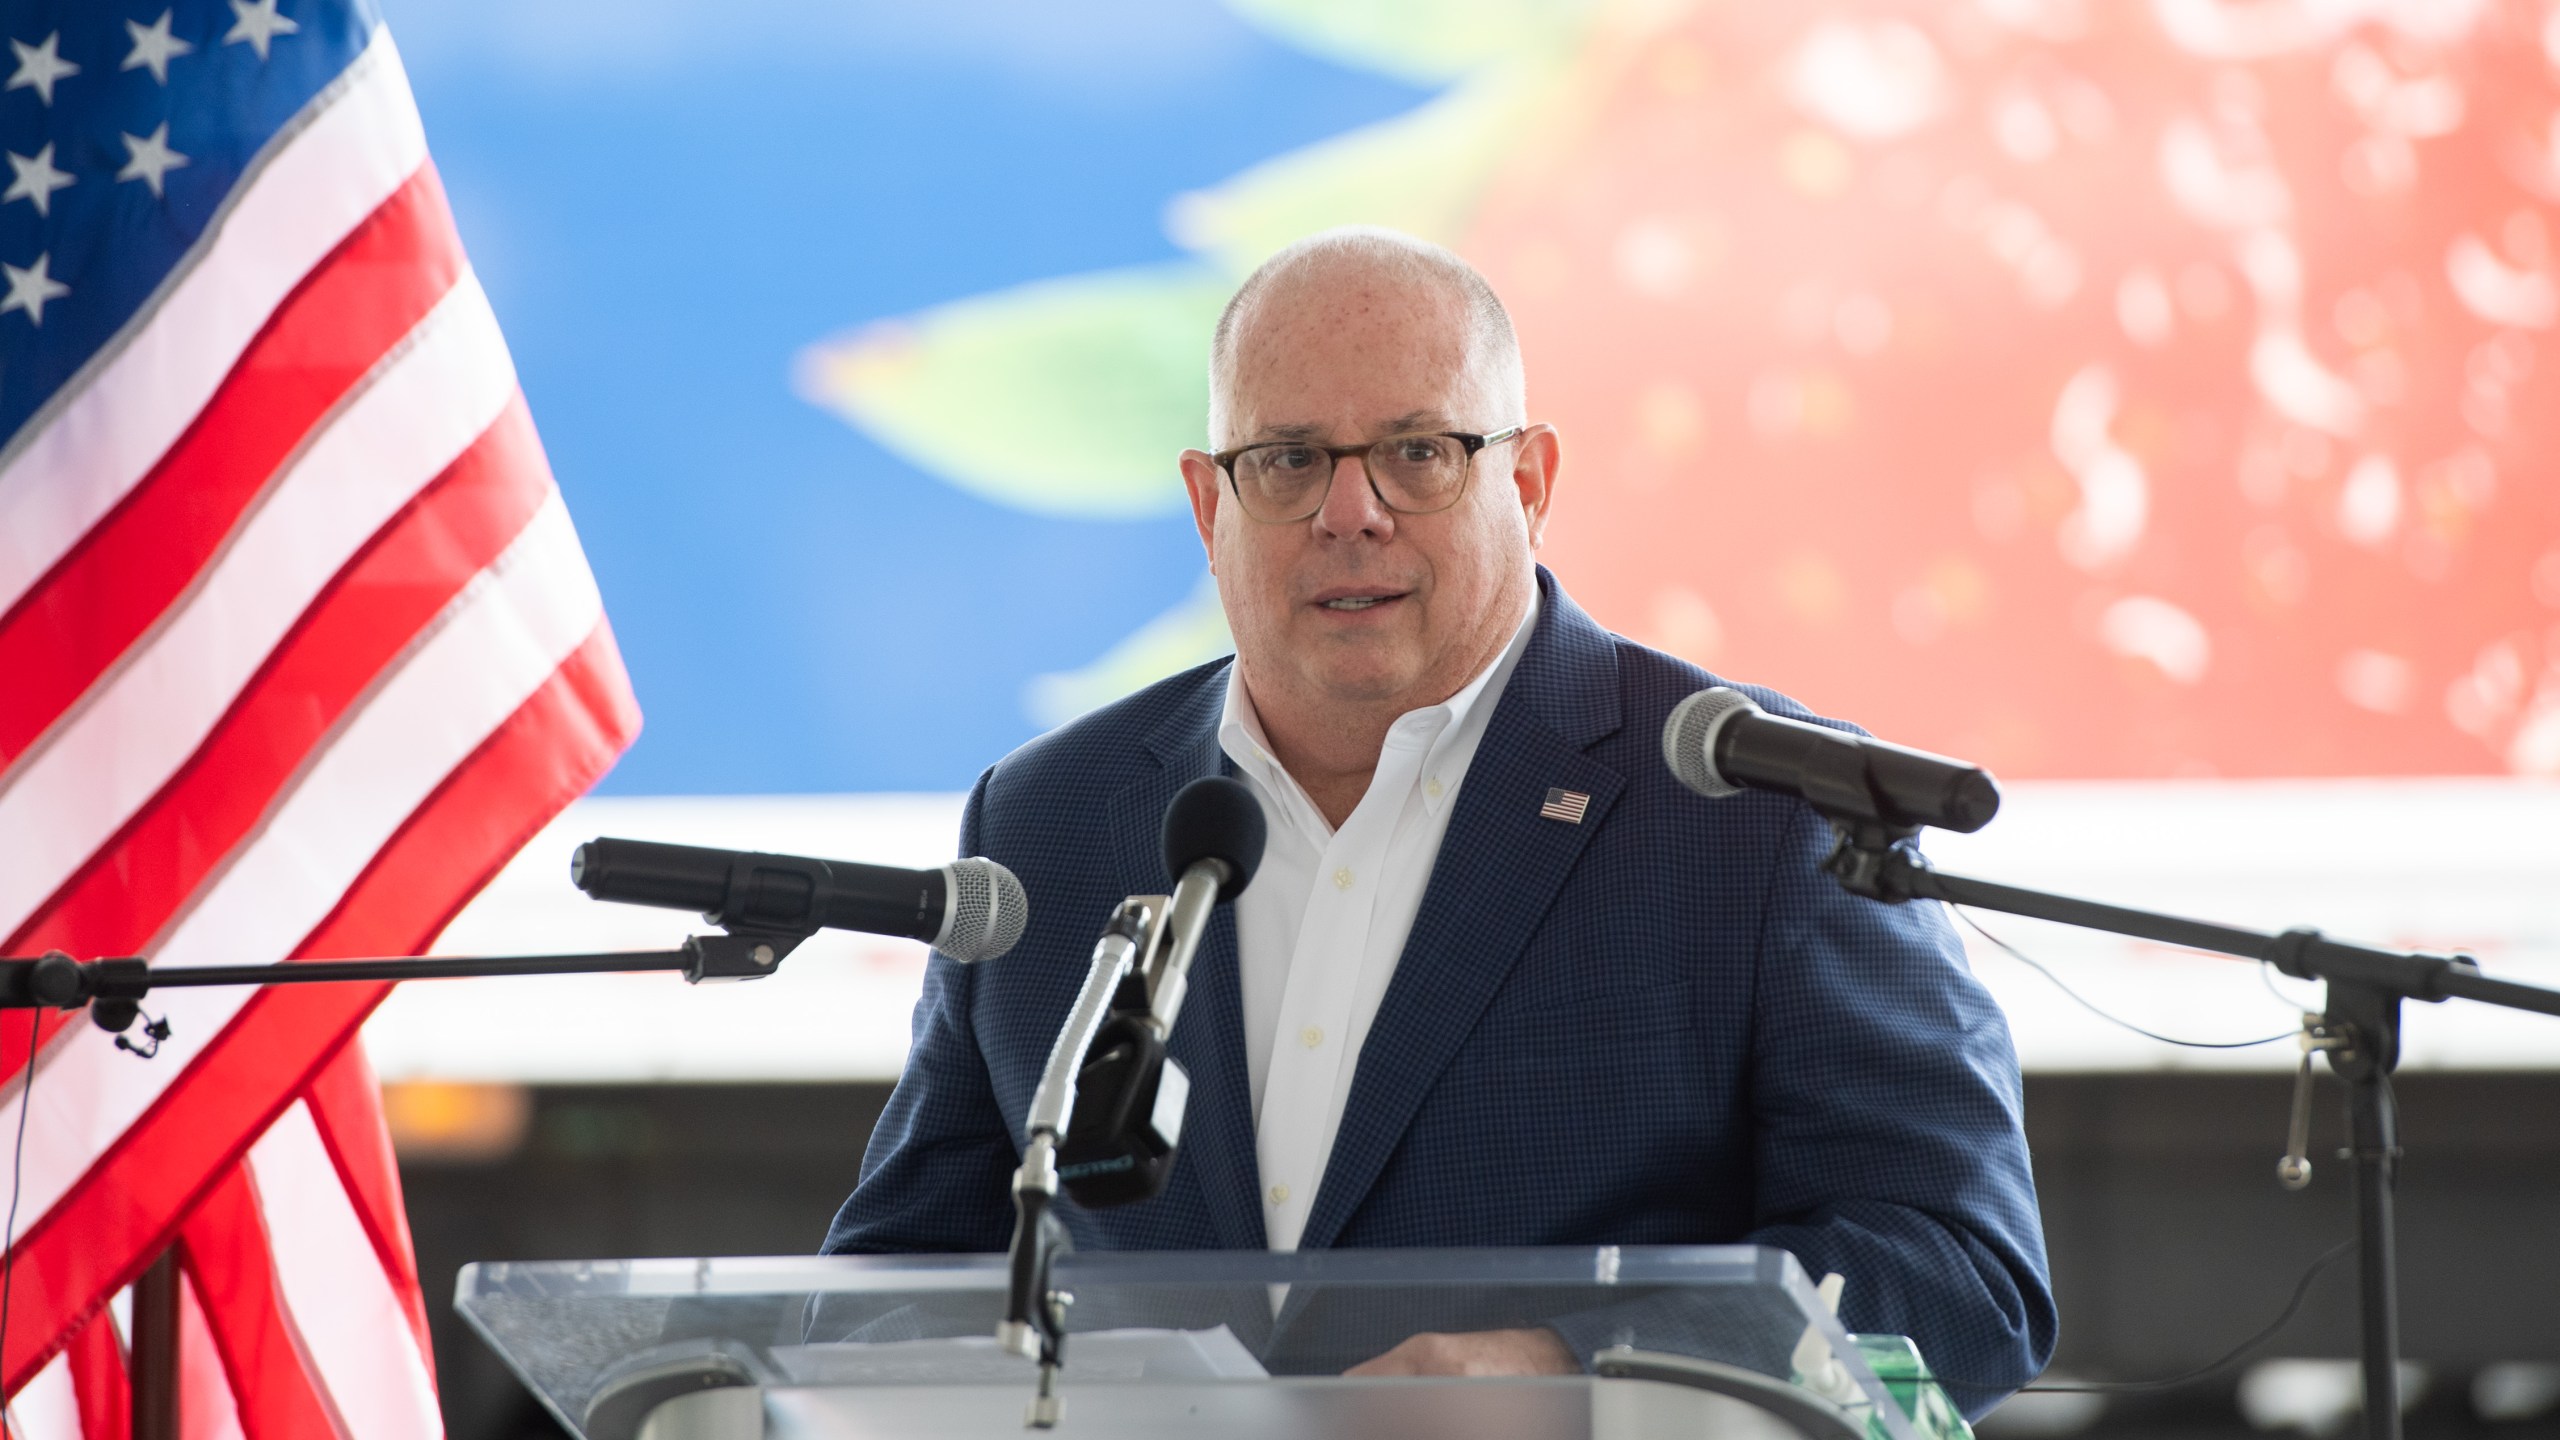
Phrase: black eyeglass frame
(1336, 454)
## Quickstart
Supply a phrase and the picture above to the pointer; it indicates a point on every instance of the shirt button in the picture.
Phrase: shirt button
(1279, 1194)
(1342, 878)
(1311, 1037)
(1432, 789)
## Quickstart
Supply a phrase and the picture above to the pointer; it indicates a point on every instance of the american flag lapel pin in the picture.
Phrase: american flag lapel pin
(1565, 805)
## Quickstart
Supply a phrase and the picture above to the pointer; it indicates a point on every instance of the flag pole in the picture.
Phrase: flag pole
(153, 1360)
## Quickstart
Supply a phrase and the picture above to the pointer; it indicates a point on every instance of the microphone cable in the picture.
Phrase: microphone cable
(2242, 1351)
(2014, 953)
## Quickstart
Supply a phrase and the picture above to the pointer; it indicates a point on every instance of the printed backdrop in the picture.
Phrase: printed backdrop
(2092, 390)
(2143, 394)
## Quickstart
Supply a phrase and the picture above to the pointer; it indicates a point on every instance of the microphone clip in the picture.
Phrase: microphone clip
(119, 1015)
(740, 953)
(1128, 1115)
(1118, 1143)
(1872, 858)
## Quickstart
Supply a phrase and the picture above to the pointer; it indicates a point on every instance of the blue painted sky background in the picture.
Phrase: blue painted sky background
(667, 199)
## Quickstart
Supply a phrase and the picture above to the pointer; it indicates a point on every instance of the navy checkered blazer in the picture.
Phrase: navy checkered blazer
(1662, 1025)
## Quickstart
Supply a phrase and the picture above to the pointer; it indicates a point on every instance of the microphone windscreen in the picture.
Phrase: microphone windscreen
(983, 910)
(1689, 739)
(1215, 818)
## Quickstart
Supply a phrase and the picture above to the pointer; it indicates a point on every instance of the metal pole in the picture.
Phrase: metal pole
(153, 1361)
(2374, 1131)
(422, 967)
(2367, 1018)
(2421, 977)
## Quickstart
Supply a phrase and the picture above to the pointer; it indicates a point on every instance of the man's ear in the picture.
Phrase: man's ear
(1201, 477)
(1533, 475)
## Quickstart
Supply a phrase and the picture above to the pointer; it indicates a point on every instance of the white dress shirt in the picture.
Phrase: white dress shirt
(1320, 929)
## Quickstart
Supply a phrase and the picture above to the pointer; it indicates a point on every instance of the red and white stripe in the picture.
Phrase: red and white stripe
(355, 144)
(309, 649)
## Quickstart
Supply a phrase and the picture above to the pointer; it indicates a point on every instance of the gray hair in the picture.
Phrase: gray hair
(1494, 347)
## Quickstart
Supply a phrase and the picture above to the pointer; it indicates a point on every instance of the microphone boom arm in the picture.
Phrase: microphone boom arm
(2359, 1030)
(113, 988)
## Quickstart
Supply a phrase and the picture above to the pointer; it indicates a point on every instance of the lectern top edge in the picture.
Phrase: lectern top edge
(1528, 1266)
(852, 1344)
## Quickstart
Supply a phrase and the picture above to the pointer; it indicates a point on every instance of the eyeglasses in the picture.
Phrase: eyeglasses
(1287, 480)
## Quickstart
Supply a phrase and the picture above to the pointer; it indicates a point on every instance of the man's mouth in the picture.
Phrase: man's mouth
(1355, 602)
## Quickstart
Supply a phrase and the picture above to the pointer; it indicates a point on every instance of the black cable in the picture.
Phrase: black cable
(2238, 1353)
(2302, 1287)
(2014, 953)
(2267, 977)
(17, 1167)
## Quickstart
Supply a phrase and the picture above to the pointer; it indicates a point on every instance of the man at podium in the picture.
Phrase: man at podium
(1500, 980)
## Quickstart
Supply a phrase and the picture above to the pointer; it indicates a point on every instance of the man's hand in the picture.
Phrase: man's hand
(1477, 1352)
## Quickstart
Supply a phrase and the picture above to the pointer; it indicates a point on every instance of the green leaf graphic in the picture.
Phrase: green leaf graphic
(1065, 397)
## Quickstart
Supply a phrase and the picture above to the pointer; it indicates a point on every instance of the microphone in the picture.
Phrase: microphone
(1119, 1140)
(1108, 1111)
(1719, 743)
(1213, 838)
(970, 909)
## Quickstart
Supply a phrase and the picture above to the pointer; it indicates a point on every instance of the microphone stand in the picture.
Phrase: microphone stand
(1108, 1114)
(2358, 1029)
(113, 988)
(1035, 1316)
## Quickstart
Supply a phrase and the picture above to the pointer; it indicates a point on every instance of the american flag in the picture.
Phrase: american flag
(1565, 805)
(297, 646)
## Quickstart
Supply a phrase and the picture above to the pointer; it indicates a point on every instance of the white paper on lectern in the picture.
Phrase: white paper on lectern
(1119, 1355)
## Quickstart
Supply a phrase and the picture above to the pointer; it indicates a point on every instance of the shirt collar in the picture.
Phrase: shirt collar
(1434, 728)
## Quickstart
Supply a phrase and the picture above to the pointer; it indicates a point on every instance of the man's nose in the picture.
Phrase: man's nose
(1351, 503)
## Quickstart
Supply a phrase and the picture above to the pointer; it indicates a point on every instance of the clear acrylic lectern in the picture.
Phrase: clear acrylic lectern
(1682, 1341)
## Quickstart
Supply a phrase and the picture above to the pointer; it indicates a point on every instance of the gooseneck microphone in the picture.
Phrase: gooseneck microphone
(970, 909)
(1119, 1140)
(1719, 743)
(1107, 1115)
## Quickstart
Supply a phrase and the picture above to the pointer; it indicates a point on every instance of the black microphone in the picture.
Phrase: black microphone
(969, 909)
(1719, 743)
(1119, 1140)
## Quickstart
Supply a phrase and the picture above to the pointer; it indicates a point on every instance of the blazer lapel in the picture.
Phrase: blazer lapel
(1500, 867)
(1217, 1152)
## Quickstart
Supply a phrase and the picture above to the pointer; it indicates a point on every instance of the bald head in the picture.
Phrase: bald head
(1326, 267)
(1364, 344)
